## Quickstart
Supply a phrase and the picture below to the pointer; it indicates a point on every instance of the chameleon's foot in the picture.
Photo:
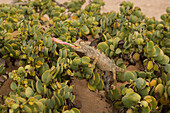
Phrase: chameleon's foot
(115, 82)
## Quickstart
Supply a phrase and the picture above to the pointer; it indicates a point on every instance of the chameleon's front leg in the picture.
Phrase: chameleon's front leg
(114, 76)
(94, 62)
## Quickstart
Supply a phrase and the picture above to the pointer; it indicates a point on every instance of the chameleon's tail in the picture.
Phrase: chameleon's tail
(118, 69)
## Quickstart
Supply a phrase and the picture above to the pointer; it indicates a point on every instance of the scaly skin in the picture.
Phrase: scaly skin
(102, 61)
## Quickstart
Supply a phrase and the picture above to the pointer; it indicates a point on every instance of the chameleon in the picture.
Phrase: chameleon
(103, 62)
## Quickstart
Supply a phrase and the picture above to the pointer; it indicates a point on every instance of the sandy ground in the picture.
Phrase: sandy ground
(88, 101)
(152, 8)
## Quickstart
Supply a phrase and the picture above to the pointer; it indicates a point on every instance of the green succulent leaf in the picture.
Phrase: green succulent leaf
(100, 86)
(49, 42)
(91, 87)
(85, 30)
(102, 46)
(152, 101)
(39, 86)
(129, 76)
(167, 67)
(13, 86)
(136, 56)
(140, 83)
(14, 106)
(144, 92)
(76, 61)
(27, 108)
(165, 60)
(75, 110)
(40, 106)
(150, 65)
(46, 77)
(59, 100)
(118, 51)
(97, 78)
(43, 68)
(85, 59)
(144, 103)
(131, 99)
(114, 94)
(159, 90)
(150, 48)
(2, 69)
(88, 70)
(29, 92)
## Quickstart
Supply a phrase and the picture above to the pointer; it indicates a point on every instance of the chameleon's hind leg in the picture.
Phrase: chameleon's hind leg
(114, 76)
(94, 62)
(107, 80)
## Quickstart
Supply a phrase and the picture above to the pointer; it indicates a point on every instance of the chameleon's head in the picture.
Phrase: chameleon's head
(81, 42)
(81, 45)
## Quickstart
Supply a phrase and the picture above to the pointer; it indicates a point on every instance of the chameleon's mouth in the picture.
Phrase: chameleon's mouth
(65, 43)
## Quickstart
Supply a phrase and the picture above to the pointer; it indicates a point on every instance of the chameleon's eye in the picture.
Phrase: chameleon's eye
(81, 43)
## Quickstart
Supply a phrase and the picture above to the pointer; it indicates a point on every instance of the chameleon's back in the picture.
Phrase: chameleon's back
(104, 63)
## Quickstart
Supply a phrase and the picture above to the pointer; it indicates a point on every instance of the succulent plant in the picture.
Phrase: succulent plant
(75, 110)
(74, 5)
(30, 92)
(131, 99)
(114, 94)
(80, 65)
(2, 69)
